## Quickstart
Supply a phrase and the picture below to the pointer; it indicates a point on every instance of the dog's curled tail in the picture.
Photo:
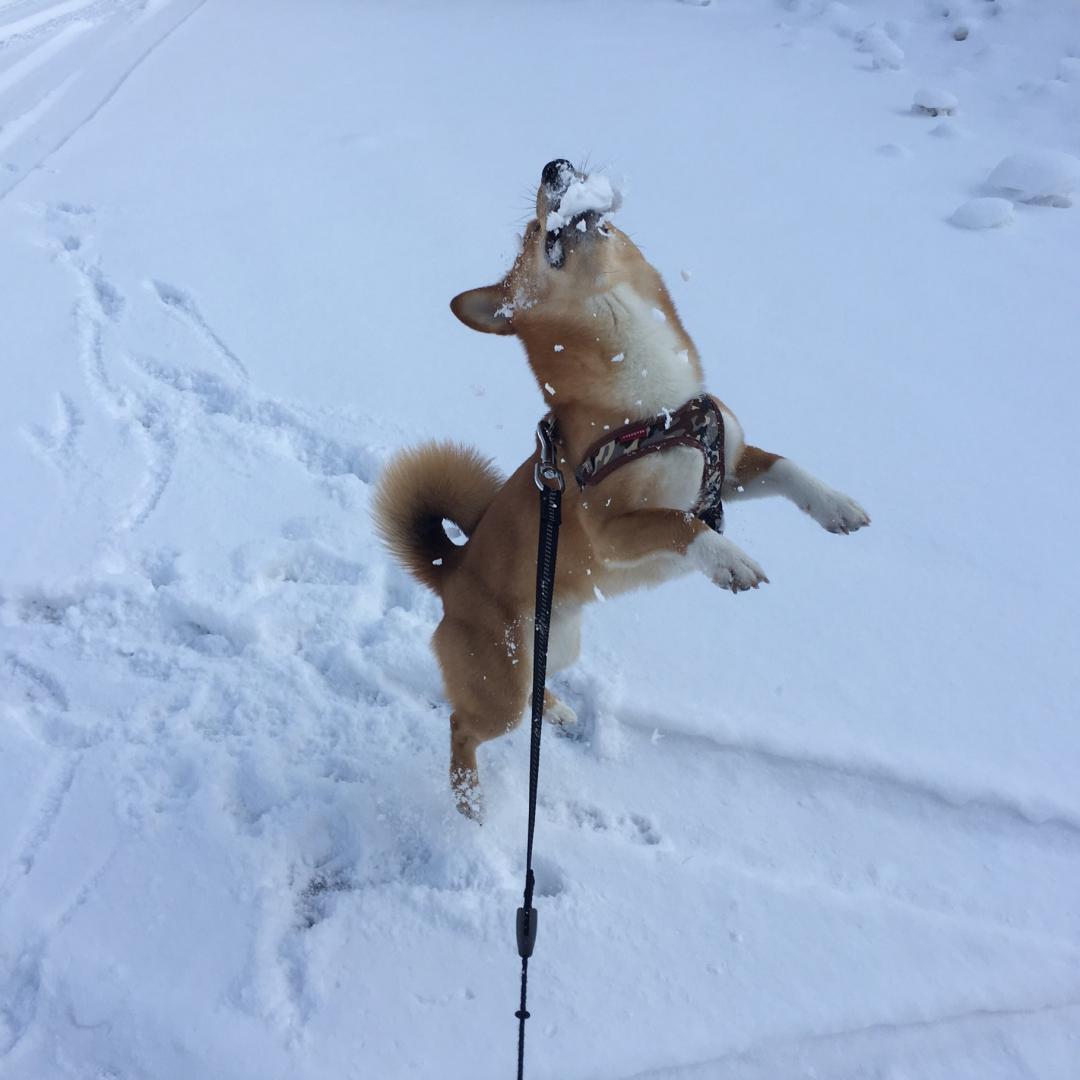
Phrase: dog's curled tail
(420, 488)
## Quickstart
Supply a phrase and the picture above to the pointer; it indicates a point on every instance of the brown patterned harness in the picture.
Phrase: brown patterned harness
(699, 423)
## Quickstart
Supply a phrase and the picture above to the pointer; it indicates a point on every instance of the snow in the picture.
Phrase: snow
(884, 52)
(1041, 176)
(830, 828)
(935, 102)
(593, 192)
(984, 213)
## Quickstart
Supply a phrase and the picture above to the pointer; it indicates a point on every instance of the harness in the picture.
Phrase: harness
(699, 423)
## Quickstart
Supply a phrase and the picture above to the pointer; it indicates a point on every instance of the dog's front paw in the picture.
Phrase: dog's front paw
(726, 564)
(836, 512)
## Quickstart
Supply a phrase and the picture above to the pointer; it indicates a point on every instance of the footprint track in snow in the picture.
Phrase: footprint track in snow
(20, 988)
(320, 454)
(182, 305)
(51, 801)
(20, 983)
(307, 563)
(58, 445)
(147, 420)
(103, 304)
(153, 417)
(37, 685)
(634, 828)
(312, 902)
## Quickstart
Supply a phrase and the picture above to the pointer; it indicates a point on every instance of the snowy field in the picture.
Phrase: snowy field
(831, 833)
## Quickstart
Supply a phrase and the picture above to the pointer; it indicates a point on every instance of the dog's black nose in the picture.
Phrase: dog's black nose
(557, 174)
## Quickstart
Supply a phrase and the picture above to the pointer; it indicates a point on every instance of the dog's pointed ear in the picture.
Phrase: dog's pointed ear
(483, 309)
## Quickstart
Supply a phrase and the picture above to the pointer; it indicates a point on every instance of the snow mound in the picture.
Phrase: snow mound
(596, 193)
(985, 213)
(933, 102)
(884, 53)
(949, 129)
(1044, 177)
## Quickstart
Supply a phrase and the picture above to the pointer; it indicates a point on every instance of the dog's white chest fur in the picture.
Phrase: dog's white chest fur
(670, 480)
(654, 369)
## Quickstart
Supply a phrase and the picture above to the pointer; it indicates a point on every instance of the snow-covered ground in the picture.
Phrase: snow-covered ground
(833, 832)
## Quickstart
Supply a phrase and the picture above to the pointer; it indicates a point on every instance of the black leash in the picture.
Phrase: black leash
(550, 482)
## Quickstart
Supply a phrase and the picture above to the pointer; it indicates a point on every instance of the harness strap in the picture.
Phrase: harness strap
(699, 423)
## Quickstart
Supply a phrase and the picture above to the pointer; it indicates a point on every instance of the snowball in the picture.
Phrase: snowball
(1047, 177)
(685, 275)
(988, 213)
(549, 388)
(558, 348)
(589, 193)
(934, 102)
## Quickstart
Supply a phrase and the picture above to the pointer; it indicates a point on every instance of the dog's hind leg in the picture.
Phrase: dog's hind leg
(487, 685)
(557, 712)
(464, 777)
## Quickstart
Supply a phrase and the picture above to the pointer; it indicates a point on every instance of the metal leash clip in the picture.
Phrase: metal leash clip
(547, 474)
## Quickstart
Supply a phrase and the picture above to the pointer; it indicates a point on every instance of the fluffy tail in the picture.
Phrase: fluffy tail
(420, 488)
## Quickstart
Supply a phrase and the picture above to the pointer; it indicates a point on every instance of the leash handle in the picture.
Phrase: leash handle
(549, 481)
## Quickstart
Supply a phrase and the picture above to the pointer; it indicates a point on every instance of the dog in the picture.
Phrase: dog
(609, 352)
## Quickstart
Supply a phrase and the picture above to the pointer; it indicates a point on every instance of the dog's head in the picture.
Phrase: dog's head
(570, 251)
(580, 294)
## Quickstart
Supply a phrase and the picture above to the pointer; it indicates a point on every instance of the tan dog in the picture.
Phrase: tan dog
(606, 345)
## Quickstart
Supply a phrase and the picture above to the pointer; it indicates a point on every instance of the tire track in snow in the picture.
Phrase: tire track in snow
(832, 1051)
(880, 862)
(43, 53)
(19, 125)
(131, 65)
(988, 805)
(43, 19)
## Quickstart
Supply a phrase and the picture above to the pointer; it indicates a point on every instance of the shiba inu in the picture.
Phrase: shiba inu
(619, 375)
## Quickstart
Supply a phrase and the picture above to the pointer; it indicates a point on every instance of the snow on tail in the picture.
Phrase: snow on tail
(420, 488)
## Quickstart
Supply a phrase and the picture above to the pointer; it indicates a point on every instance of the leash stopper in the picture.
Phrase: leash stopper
(526, 933)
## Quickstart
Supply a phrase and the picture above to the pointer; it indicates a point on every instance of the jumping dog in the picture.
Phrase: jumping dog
(654, 457)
